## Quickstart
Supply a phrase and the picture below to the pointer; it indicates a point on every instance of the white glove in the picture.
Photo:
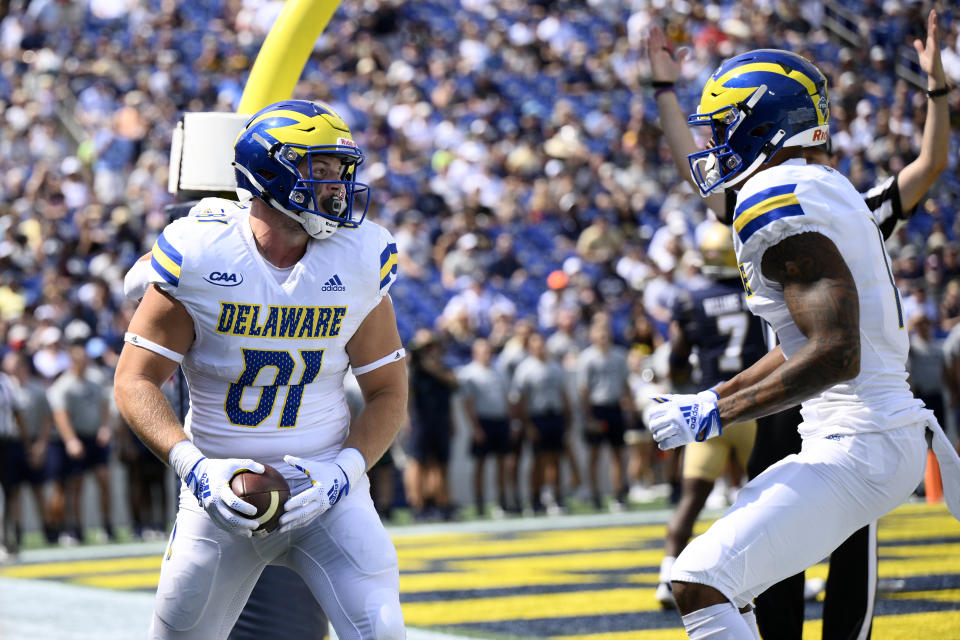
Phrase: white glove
(677, 420)
(330, 482)
(209, 481)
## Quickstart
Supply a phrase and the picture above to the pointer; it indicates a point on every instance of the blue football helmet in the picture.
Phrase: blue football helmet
(756, 104)
(274, 158)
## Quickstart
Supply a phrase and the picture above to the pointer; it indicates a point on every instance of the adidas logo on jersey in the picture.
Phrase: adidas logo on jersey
(333, 284)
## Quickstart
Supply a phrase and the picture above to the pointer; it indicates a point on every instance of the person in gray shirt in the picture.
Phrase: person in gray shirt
(78, 401)
(603, 386)
(926, 364)
(12, 440)
(545, 411)
(36, 463)
(485, 395)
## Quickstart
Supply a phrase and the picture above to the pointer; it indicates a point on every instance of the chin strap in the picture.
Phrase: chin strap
(765, 151)
(327, 227)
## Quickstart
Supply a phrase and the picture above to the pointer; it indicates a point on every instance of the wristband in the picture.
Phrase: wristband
(662, 90)
(936, 93)
(662, 84)
(353, 464)
(716, 396)
(184, 457)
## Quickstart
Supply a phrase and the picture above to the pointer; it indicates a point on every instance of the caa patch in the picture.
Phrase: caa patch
(224, 278)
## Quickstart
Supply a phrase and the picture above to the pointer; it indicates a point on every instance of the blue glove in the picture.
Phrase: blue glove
(676, 420)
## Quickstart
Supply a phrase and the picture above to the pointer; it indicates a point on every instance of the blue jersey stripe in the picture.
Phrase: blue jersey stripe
(169, 251)
(761, 221)
(760, 196)
(166, 275)
(387, 278)
(389, 250)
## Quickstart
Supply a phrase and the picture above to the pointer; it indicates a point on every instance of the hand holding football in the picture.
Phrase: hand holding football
(267, 491)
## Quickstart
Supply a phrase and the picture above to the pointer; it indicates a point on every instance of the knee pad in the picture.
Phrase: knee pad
(185, 582)
(388, 618)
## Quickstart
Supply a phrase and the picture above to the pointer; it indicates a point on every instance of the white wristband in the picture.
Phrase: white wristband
(353, 464)
(183, 457)
(709, 394)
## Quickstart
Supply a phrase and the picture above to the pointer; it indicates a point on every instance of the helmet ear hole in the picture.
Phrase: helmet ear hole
(760, 130)
(266, 174)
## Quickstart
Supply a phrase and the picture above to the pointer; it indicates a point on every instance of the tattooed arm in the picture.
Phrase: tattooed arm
(822, 299)
(752, 374)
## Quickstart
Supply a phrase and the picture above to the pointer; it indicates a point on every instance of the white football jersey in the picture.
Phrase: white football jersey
(795, 198)
(266, 368)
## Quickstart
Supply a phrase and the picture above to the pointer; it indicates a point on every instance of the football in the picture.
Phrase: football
(267, 491)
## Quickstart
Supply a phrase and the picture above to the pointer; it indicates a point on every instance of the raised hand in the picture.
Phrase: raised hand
(929, 53)
(664, 66)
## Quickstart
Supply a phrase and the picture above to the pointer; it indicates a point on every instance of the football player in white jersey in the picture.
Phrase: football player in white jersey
(814, 267)
(265, 305)
(852, 582)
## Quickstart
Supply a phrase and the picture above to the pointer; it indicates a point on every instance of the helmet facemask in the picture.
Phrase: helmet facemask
(283, 157)
(756, 104)
(713, 169)
(319, 209)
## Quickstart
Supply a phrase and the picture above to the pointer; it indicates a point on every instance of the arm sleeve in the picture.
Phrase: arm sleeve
(883, 200)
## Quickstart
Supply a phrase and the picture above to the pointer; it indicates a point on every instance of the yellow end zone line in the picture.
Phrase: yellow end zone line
(81, 567)
(122, 581)
(529, 607)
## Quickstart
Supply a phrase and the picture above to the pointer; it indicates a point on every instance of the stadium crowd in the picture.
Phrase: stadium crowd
(512, 147)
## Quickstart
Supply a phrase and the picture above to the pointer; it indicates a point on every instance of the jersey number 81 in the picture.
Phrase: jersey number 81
(254, 361)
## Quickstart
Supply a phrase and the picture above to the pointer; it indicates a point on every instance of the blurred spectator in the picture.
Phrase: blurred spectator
(504, 264)
(477, 303)
(462, 260)
(569, 338)
(147, 493)
(602, 376)
(926, 364)
(641, 457)
(916, 301)
(599, 242)
(514, 350)
(13, 457)
(560, 296)
(384, 472)
(544, 408)
(30, 401)
(486, 401)
(432, 385)
(50, 359)
(79, 405)
(950, 306)
(413, 245)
